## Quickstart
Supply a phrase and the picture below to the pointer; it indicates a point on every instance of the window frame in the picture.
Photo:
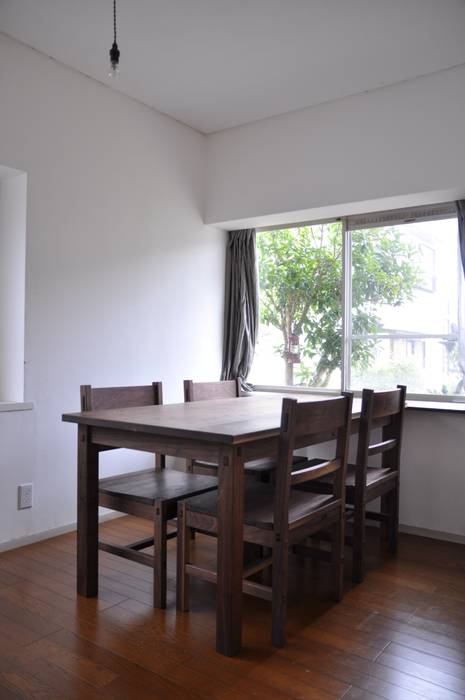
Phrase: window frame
(390, 217)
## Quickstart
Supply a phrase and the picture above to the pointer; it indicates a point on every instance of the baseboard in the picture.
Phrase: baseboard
(432, 534)
(48, 534)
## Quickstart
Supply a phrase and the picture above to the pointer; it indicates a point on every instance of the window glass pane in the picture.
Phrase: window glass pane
(300, 272)
(406, 285)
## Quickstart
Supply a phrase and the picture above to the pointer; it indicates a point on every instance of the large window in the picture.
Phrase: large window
(364, 301)
(13, 197)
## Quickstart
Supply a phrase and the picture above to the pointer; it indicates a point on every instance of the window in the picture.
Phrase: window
(12, 283)
(300, 338)
(397, 320)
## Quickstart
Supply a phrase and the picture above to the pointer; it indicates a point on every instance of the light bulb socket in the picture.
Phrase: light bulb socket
(114, 56)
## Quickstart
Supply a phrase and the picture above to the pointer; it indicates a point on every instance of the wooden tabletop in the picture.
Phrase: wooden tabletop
(219, 420)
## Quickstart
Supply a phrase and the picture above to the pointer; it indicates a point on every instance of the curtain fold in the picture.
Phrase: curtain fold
(460, 388)
(461, 221)
(241, 306)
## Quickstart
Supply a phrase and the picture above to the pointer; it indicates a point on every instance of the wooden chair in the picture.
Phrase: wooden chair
(205, 391)
(278, 516)
(151, 493)
(380, 409)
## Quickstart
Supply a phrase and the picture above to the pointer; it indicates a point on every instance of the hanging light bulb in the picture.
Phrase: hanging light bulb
(114, 51)
(114, 61)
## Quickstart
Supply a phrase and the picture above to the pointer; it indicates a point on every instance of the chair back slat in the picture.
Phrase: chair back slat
(386, 403)
(204, 391)
(380, 447)
(315, 471)
(323, 417)
(97, 399)
(103, 398)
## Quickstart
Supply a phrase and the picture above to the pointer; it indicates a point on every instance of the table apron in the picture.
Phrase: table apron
(191, 448)
(268, 447)
(148, 442)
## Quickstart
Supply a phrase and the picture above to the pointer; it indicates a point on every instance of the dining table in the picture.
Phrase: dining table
(228, 432)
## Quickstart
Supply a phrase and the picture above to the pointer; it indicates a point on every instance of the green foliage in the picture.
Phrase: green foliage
(300, 290)
(383, 376)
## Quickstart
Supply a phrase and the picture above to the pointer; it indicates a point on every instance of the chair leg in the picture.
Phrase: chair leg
(337, 546)
(190, 470)
(160, 462)
(390, 505)
(266, 576)
(384, 526)
(264, 477)
(279, 593)
(358, 544)
(183, 546)
(250, 552)
(315, 541)
(159, 556)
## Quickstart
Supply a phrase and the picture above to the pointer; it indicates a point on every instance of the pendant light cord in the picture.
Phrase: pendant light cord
(114, 21)
(114, 51)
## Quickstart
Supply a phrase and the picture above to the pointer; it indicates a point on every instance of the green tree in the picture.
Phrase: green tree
(300, 291)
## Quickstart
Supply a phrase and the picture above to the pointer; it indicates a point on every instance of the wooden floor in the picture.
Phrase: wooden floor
(399, 635)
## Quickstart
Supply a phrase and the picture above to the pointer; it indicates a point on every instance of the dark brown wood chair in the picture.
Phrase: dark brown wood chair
(207, 391)
(152, 494)
(383, 410)
(277, 516)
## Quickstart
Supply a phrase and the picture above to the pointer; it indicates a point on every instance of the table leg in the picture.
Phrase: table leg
(87, 515)
(230, 551)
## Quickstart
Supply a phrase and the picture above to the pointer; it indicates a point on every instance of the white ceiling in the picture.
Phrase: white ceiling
(214, 64)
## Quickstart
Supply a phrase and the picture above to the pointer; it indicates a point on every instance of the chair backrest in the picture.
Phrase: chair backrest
(203, 391)
(380, 409)
(124, 397)
(306, 424)
(120, 396)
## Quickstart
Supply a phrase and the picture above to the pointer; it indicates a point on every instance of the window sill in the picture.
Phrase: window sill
(411, 404)
(16, 406)
(294, 390)
(439, 406)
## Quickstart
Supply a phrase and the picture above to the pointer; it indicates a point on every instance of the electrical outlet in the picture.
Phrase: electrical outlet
(24, 496)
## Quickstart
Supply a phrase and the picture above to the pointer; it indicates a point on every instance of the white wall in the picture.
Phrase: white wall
(432, 493)
(124, 282)
(402, 144)
(18, 466)
(12, 284)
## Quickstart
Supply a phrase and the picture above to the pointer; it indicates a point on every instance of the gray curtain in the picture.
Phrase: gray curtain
(241, 306)
(461, 219)
(460, 388)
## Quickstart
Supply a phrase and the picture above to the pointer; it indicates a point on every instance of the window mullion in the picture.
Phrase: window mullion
(346, 305)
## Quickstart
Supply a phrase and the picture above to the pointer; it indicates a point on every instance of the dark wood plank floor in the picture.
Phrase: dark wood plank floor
(400, 635)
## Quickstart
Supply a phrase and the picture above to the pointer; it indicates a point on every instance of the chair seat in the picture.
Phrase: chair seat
(259, 504)
(257, 466)
(374, 475)
(148, 486)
